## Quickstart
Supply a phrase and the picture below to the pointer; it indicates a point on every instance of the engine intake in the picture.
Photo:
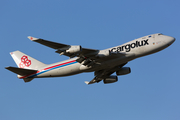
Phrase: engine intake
(123, 71)
(110, 79)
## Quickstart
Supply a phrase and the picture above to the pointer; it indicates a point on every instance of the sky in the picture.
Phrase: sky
(150, 92)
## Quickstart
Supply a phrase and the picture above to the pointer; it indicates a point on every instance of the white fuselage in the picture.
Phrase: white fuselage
(136, 48)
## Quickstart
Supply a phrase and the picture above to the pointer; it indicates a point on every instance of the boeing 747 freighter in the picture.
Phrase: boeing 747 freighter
(102, 62)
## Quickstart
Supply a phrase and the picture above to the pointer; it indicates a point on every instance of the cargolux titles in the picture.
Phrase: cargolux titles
(128, 47)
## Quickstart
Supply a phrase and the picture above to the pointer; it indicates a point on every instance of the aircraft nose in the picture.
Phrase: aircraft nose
(170, 40)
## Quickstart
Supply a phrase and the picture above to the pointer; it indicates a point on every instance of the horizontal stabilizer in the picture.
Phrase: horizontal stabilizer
(21, 71)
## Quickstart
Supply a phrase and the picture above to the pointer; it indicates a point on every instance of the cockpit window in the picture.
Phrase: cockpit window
(160, 34)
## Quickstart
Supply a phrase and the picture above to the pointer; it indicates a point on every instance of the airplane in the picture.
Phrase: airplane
(102, 62)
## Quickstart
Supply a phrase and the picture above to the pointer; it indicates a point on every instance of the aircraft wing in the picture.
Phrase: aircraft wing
(86, 56)
(103, 74)
(63, 49)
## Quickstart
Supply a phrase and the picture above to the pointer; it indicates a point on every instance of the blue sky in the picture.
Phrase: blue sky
(150, 92)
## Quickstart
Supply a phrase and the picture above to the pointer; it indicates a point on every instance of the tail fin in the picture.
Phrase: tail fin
(24, 61)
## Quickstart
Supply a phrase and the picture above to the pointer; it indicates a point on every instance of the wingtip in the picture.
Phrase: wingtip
(32, 38)
(87, 82)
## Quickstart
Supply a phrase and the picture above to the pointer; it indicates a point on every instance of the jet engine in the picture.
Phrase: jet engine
(110, 79)
(104, 53)
(123, 71)
(74, 49)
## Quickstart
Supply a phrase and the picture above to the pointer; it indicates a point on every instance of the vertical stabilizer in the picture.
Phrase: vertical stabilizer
(24, 61)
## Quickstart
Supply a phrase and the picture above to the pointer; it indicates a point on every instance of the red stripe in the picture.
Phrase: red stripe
(59, 65)
(48, 68)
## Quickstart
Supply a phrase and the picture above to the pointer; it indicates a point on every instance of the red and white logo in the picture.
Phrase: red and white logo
(25, 62)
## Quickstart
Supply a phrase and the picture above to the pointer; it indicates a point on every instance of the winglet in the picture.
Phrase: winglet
(32, 38)
(87, 82)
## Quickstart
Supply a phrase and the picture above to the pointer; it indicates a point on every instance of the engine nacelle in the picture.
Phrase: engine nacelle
(104, 53)
(74, 49)
(111, 79)
(123, 71)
